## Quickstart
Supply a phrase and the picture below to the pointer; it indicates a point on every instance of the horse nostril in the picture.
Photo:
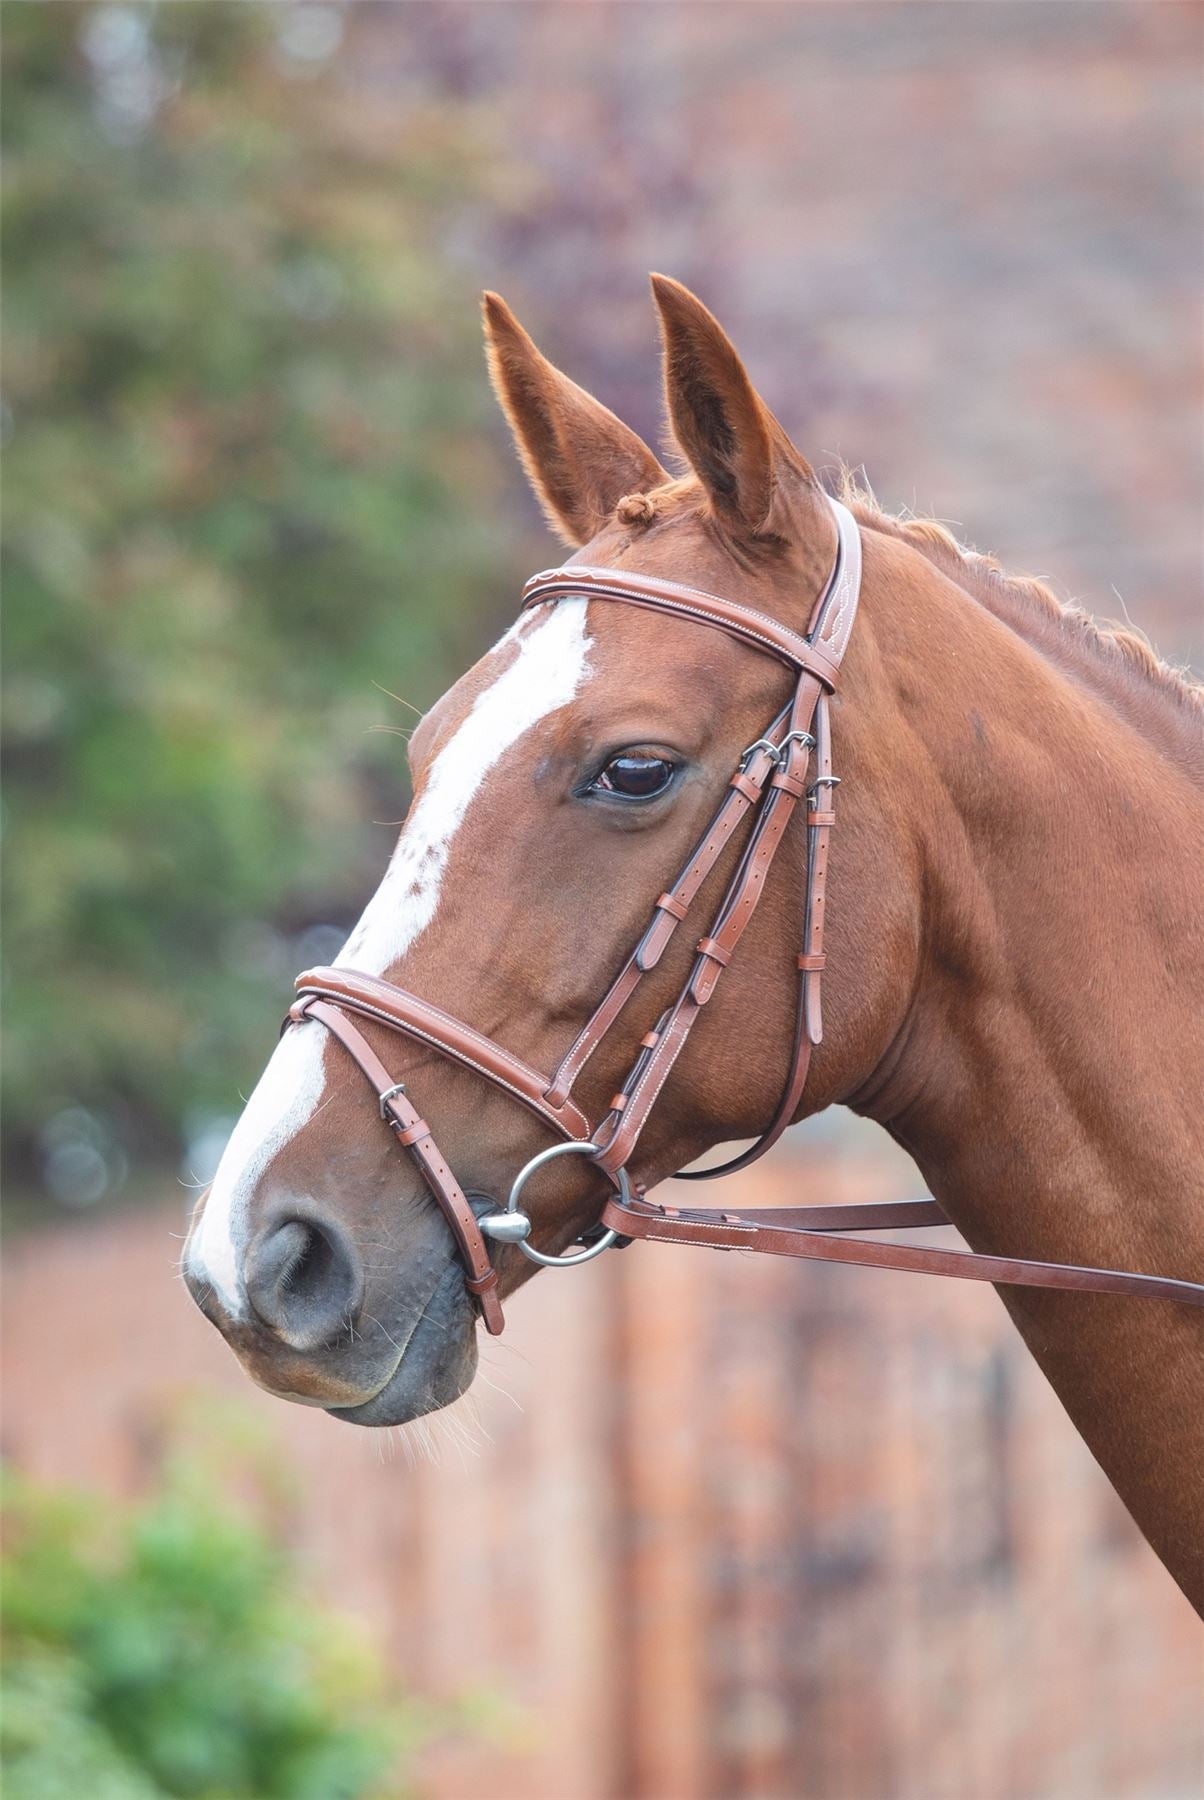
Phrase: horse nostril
(304, 1280)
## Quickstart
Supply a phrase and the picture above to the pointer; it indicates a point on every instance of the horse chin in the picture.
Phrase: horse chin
(436, 1366)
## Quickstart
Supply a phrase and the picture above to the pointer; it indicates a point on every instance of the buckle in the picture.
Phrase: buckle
(779, 754)
(794, 737)
(399, 1087)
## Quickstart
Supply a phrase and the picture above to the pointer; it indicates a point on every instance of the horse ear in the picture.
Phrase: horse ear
(579, 458)
(739, 452)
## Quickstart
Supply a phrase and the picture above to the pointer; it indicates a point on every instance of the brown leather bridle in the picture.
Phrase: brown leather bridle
(791, 763)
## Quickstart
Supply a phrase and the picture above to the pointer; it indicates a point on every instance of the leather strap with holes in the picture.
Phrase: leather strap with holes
(786, 784)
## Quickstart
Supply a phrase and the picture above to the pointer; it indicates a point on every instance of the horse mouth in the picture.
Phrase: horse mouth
(435, 1364)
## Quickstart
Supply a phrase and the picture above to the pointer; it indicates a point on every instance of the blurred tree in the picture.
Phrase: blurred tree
(245, 481)
(168, 1651)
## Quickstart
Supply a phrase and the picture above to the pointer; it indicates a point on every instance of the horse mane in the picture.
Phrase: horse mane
(1163, 703)
(1116, 660)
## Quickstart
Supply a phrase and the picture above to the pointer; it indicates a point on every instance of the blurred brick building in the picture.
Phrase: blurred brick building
(960, 245)
(708, 1525)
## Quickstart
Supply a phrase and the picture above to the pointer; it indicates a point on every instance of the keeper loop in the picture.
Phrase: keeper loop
(709, 947)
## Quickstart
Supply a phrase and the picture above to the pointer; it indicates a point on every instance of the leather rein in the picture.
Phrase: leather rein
(789, 766)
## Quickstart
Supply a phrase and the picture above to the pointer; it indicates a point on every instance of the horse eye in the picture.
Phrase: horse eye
(635, 777)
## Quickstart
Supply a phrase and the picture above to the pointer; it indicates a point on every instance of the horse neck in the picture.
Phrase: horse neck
(1047, 1073)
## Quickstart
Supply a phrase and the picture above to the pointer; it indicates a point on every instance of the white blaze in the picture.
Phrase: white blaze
(544, 675)
(550, 664)
(287, 1093)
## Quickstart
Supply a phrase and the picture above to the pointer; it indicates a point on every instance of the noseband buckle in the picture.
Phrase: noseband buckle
(399, 1087)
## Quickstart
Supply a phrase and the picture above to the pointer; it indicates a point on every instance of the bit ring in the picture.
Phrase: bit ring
(589, 1251)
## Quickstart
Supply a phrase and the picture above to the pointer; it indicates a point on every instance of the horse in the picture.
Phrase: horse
(1013, 969)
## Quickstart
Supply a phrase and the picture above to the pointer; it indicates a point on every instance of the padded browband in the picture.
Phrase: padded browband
(756, 628)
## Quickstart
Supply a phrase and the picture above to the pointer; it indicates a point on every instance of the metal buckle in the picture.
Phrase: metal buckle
(771, 751)
(513, 1226)
(399, 1087)
(794, 737)
(778, 753)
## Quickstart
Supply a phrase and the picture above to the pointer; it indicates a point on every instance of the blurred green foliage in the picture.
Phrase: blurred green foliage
(165, 1651)
(245, 481)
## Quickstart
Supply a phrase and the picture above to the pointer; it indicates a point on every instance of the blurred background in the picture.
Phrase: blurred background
(837, 1539)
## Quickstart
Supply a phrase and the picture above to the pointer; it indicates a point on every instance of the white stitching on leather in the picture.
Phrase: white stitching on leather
(574, 587)
(534, 1102)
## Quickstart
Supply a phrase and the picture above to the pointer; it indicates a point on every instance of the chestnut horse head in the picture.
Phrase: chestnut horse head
(556, 787)
(989, 920)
